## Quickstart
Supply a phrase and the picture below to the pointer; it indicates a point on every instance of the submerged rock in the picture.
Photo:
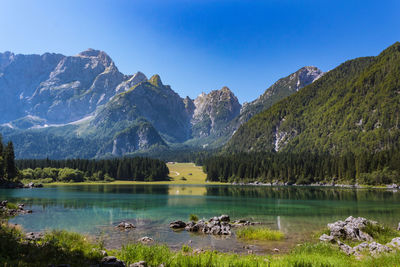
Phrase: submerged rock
(125, 226)
(177, 225)
(146, 240)
(214, 226)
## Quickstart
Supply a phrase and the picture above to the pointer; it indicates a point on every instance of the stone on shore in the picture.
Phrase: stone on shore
(350, 229)
(111, 261)
(138, 264)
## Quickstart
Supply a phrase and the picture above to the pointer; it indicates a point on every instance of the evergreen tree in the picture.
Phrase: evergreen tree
(1, 158)
(9, 160)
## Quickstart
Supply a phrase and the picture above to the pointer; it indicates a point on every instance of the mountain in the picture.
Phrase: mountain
(20, 76)
(354, 107)
(83, 106)
(234, 115)
(282, 88)
(151, 100)
(212, 112)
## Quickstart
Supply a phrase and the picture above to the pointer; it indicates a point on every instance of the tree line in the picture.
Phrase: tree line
(134, 169)
(305, 168)
(8, 170)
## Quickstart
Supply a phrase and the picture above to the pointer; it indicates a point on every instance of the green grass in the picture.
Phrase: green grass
(381, 233)
(61, 247)
(57, 247)
(259, 233)
(12, 206)
(193, 217)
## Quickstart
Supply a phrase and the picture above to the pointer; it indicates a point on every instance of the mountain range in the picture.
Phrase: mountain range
(82, 106)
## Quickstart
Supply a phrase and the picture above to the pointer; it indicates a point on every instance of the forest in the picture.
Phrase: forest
(380, 168)
(133, 169)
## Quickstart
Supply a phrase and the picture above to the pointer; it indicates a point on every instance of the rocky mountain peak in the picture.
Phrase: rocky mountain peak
(97, 55)
(213, 111)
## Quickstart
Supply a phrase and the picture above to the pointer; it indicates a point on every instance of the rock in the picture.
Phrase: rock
(395, 243)
(125, 226)
(138, 264)
(177, 225)
(198, 251)
(111, 261)
(224, 218)
(103, 253)
(146, 239)
(350, 229)
(361, 247)
(32, 236)
(4, 203)
(376, 248)
(192, 227)
(345, 248)
(326, 238)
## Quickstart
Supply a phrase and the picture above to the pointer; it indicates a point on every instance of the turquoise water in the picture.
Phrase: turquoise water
(96, 209)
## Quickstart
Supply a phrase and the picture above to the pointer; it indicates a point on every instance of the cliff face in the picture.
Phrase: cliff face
(212, 112)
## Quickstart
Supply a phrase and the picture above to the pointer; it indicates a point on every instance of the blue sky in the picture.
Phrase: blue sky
(203, 45)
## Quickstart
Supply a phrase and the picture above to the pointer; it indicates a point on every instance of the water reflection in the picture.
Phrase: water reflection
(98, 208)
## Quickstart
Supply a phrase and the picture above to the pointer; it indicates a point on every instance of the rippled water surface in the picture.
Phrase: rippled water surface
(297, 211)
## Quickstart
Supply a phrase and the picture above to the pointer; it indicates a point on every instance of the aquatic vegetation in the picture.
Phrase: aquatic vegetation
(259, 233)
(193, 217)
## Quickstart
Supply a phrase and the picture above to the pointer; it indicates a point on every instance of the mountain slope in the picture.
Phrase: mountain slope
(279, 90)
(354, 107)
(151, 100)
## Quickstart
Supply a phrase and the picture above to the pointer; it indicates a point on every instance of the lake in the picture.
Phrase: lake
(297, 211)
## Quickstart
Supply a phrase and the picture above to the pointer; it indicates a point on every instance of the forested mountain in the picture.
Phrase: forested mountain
(354, 107)
(282, 88)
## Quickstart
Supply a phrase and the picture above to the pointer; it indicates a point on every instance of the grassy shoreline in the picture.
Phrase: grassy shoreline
(62, 247)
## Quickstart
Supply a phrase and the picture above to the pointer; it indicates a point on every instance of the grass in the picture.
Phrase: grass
(259, 233)
(61, 247)
(381, 233)
(57, 247)
(12, 206)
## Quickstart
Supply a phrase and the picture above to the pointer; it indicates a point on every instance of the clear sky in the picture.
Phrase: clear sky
(202, 45)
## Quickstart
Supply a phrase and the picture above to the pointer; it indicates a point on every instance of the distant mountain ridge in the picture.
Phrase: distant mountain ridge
(352, 108)
(84, 99)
